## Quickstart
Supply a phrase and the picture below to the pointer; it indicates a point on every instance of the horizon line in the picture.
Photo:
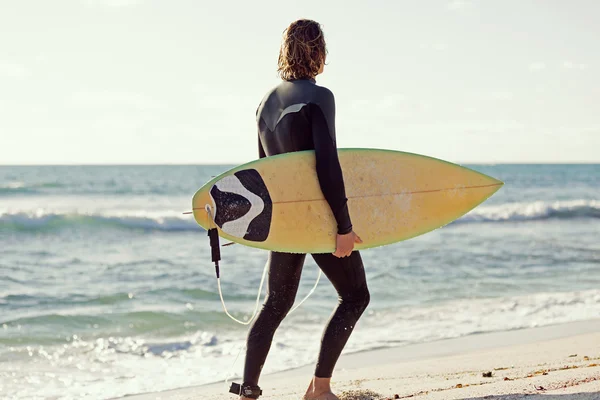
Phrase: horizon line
(117, 164)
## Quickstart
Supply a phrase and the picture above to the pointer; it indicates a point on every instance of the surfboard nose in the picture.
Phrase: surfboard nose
(493, 183)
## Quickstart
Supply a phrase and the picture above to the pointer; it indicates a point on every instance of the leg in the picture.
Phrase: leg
(348, 277)
(284, 276)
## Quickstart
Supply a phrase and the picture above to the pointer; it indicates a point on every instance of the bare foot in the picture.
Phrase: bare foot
(323, 396)
(319, 389)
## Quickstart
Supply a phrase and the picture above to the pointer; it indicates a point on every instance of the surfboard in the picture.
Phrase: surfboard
(276, 203)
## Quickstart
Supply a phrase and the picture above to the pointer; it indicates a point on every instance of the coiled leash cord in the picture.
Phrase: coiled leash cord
(213, 235)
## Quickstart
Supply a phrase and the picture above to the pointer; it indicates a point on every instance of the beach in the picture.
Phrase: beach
(559, 362)
(116, 113)
(107, 290)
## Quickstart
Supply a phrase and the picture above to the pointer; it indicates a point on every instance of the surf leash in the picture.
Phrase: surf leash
(213, 235)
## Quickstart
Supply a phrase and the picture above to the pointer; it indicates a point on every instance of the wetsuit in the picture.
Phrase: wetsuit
(300, 115)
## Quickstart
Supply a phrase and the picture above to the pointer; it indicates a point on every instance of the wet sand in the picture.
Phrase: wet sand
(560, 362)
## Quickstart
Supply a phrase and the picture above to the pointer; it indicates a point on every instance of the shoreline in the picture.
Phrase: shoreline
(386, 372)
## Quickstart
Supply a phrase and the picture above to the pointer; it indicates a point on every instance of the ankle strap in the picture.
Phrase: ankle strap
(250, 391)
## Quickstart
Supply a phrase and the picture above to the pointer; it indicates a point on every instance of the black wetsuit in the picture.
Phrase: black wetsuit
(300, 115)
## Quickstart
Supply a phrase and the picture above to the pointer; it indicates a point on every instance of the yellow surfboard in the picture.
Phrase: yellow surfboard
(276, 203)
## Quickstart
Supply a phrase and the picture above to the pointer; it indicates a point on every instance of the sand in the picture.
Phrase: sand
(559, 362)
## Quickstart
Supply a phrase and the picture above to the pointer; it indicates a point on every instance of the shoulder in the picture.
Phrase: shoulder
(324, 93)
(271, 92)
(269, 95)
(325, 99)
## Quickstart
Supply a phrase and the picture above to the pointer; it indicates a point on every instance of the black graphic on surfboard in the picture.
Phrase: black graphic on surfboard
(243, 207)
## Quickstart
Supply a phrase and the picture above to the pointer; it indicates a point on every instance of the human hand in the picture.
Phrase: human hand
(345, 244)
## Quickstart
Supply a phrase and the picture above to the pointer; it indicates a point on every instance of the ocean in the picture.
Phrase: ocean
(107, 288)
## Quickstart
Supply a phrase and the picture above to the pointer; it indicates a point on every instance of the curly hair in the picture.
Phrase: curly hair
(302, 51)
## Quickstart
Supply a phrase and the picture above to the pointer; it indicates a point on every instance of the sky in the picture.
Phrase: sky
(178, 82)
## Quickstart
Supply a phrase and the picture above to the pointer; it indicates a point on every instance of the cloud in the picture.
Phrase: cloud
(383, 105)
(593, 131)
(12, 70)
(500, 95)
(537, 66)
(391, 102)
(574, 65)
(458, 4)
(436, 46)
(119, 99)
(395, 105)
(112, 3)
(223, 99)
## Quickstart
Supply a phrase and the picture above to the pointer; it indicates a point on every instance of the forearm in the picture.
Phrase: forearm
(329, 171)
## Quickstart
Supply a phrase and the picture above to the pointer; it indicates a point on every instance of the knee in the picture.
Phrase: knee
(278, 304)
(365, 298)
(359, 299)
